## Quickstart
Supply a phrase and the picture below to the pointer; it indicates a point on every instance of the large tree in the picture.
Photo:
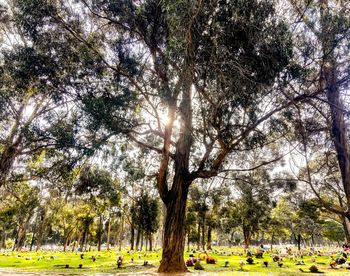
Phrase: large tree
(194, 82)
(322, 34)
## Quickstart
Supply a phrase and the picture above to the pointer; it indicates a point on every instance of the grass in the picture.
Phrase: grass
(55, 262)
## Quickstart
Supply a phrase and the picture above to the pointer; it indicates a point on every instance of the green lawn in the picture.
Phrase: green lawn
(55, 262)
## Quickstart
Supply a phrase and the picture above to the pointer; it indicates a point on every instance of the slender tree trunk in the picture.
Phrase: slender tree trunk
(188, 240)
(141, 241)
(132, 236)
(203, 232)
(299, 241)
(272, 238)
(83, 241)
(108, 233)
(100, 233)
(121, 236)
(33, 237)
(199, 236)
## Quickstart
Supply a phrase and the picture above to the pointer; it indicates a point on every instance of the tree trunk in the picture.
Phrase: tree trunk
(150, 242)
(199, 236)
(108, 233)
(346, 227)
(132, 236)
(247, 237)
(329, 82)
(209, 239)
(203, 233)
(299, 241)
(83, 241)
(188, 240)
(141, 241)
(138, 236)
(272, 238)
(99, 234)
(121, 236)
(3, 239)
(174, 231)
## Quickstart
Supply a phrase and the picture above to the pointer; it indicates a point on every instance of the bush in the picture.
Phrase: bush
(276, 258)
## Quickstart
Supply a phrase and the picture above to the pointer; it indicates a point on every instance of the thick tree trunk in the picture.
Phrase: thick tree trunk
(174, 231)
(209, 239)
(150, 242)
(3, 239)
(247, 237)
(346, 227)
(138, 236)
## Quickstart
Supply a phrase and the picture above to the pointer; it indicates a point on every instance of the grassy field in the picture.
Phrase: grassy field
(105, 262)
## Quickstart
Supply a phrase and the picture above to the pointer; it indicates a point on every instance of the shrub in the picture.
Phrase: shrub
(250, 260)
(276, 258)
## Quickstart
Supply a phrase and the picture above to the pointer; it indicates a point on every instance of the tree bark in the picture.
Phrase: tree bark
(345, 223)
(329, 82)
(299, 241)
(247, 237)
(199, 236)
(138, 236)
(99, 233)
(174, 232)
(209, 238)
(108, 233)
(150, 242)
(272, 238)
(132, 236)
(203, 232)
(121, 236)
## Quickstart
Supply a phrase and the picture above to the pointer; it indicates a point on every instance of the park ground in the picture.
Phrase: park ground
(60, 263)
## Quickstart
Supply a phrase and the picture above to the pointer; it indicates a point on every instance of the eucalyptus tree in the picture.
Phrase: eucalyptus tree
(39, 64)
(322, 36)
(192, 81)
